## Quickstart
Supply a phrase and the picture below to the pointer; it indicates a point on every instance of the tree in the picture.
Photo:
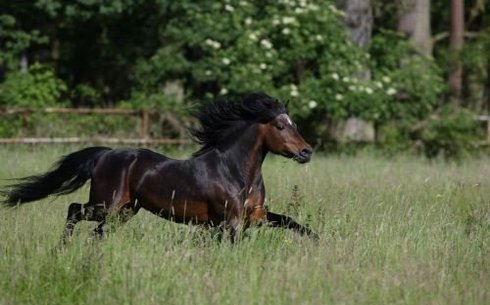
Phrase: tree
(414, 22)
(456, 45)
(358, 20)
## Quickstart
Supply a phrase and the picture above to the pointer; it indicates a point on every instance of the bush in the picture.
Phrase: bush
(452, 135)
(39, 87)
(413, 82)
(289, 49)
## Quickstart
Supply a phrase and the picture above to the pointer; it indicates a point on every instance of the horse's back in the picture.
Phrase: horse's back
(117, 171)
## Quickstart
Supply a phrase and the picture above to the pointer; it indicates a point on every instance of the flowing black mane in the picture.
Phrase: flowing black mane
(220, 119)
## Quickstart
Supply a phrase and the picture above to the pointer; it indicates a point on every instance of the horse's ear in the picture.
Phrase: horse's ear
(286, 105)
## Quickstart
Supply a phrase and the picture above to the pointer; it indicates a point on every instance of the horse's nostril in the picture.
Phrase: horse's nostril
(306, 151)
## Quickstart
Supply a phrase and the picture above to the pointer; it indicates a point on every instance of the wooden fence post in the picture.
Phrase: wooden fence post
(145, 117)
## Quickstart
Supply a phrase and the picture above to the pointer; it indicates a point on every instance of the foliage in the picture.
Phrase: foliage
(288, 49)
(394, 138)
(100, 43)
(124, 53)
(86, 95)
(414, 82)
(15, 41)
(158, 101)
(452, 135)
(476, 64)
(38, 87)
(10, 126)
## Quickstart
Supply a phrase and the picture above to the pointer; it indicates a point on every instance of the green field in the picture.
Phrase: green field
(393, 231)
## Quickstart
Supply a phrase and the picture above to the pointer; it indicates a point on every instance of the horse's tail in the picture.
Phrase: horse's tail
(68, 174)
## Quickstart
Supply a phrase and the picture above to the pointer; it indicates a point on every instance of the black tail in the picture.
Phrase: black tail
(68, 175)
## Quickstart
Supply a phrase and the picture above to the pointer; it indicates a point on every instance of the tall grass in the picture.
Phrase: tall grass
(398, 231)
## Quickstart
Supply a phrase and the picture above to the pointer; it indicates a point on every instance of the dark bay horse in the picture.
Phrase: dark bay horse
(220, 185)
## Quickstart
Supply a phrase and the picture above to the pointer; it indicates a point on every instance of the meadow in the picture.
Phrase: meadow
(392, 231)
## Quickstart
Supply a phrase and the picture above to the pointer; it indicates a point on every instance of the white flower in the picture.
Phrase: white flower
(213, 43)
(339, 97)
(252, 36)
(299, 10)
(368, 90)
(352, 88)
(391, 91)
(268, 54)
(302, 3)
(226, 61)
(223, 91)
(248, 21)
(263, 66)
(312, 104)
(386, 79)
(319, 37)
(379, 84)
(335, 76)
(345, 79)
(229, 8)
(313, 7)
(208, 72)
(294, 90)
(266, 44)
(243, 3)
(275, 21)
(286, 31)
(288, 20)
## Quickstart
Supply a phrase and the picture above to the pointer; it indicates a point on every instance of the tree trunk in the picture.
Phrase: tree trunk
(414, 22)
(24, 63)
(358, 20)
(456, 44)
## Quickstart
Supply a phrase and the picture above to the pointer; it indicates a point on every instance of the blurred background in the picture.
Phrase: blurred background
(400, 76)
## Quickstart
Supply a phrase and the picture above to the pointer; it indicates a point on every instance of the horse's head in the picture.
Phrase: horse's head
(282, 137)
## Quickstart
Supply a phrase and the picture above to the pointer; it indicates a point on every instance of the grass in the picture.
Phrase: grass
(397, 231)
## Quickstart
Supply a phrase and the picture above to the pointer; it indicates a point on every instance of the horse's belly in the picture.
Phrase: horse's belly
(182, 211)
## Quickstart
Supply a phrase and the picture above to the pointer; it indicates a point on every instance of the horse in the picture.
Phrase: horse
(220, 185)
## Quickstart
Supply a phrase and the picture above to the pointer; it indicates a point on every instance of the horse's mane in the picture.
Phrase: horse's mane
(221, 119)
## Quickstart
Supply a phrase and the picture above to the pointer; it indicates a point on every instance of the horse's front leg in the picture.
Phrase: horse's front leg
(283, 221)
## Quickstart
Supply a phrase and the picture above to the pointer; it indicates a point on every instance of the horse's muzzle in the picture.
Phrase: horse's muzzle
(304, 155)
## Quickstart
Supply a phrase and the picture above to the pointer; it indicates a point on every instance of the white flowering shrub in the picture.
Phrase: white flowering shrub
(415, 82)
(296, 50)
(287, 48)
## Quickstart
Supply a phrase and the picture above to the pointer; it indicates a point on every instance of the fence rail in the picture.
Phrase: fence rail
(116, 111)
(144, 135)
(91, 140)
(143, 128)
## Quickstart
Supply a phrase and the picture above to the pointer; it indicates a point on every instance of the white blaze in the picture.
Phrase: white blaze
(287, 118)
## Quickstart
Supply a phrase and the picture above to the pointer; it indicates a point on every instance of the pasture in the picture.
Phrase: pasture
(392, 231)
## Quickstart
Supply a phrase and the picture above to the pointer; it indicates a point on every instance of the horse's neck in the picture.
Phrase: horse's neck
(248, 154)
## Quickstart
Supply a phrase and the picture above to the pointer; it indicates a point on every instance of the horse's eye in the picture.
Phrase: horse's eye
(280, 127)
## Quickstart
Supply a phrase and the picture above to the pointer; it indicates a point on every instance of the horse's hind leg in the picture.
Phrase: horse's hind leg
(122, 215)
(78, 212)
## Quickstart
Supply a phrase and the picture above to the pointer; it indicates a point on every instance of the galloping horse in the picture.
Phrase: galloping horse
(220, 185)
